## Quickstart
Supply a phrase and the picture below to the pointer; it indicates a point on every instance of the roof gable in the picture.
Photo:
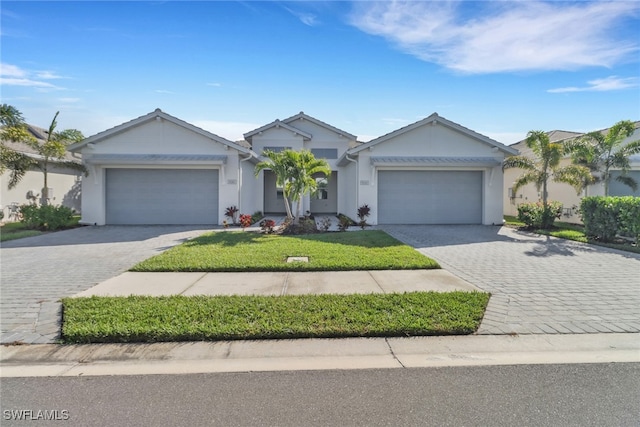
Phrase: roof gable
(302, 116)
(432, 120)
(276, 124)
(158, 114)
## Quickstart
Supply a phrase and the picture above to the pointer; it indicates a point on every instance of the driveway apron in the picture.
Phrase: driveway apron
(37, 271)
(539, 284)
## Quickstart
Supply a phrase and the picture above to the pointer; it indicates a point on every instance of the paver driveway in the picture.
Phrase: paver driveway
(538, 284)
(37, 271)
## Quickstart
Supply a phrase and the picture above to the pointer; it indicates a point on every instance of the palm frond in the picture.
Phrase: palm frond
(518, 162)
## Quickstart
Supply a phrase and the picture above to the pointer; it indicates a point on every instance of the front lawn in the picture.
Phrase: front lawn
(574, 232)
(17, 230)
(251, 251)
(198, 318)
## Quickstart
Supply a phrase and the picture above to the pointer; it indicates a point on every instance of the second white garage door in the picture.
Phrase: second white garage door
(430, 197)
(161, 196)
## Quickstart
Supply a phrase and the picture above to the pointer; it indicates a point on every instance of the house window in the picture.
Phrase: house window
(275, 149)
(325, 153)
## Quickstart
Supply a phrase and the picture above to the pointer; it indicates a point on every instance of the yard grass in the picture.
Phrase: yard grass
(16, 230)
(211, 318)
(574, 232)
(252, 251)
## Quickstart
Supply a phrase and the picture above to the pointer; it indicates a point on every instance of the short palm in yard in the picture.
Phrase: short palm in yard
(249, 251)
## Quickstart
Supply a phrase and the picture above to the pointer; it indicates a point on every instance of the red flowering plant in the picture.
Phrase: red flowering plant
(267, 225)
(245, 220)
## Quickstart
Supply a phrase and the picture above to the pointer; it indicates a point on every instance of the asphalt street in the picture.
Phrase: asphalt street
(525, 395)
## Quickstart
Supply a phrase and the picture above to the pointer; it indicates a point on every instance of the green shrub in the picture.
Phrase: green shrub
(606, 217)
(47, 218)
(257, 216)
(535, 215)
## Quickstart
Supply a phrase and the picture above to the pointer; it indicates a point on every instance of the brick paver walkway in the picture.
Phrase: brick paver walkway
(538, 284)
(37, 271)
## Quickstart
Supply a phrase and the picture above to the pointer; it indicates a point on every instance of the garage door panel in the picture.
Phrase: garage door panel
(430, 197)
(161, 196)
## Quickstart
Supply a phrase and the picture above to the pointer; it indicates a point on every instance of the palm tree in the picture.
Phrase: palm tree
(303, 181)
(14, 129)
(602, 153)
(545, 166)
(294, 172)
(52, 150)
(280, 166)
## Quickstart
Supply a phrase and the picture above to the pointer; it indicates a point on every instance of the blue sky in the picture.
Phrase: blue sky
(499, 68)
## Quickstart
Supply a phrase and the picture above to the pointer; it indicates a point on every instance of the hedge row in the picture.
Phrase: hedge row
(607, 217)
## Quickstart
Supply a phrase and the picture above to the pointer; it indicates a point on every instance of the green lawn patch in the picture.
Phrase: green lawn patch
(251, 251)
(16, 230)
(210, 318)
(575, 232)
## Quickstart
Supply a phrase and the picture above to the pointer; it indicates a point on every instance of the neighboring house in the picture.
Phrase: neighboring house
(564, 193)
(64, 183)
(158, 169)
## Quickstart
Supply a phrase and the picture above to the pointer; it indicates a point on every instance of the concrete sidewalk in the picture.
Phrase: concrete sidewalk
(314, 354)
(280, 283)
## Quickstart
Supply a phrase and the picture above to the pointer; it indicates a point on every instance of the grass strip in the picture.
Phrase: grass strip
(6, 236)
(211, 318)
(253, 251)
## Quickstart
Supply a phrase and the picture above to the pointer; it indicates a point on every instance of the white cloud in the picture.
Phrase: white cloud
(503, 36)
(601, 85)
(163, 91)
(26, 82)
(214, 84)
(8, 70)
(304, 17)
(12, 75)
(48, 75)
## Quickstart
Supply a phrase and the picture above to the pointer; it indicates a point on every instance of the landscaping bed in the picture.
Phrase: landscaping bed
(211, 318)
(252, 251)
(575, 232)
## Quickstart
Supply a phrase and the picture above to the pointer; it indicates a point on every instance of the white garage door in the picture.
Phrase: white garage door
(430, 197)
(161, 196)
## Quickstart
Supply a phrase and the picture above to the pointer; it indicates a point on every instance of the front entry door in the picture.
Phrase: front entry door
(325, 201)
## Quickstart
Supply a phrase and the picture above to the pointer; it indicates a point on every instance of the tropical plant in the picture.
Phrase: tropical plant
(602, 153)
(363, 212)
(535, 215)
(46, 217)
(545, 166)
(245, 220)
(52, 150)
(13, 129)
(232, 213)
(267, 225)
(280, 166)
(294, 172)
(324, 224)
